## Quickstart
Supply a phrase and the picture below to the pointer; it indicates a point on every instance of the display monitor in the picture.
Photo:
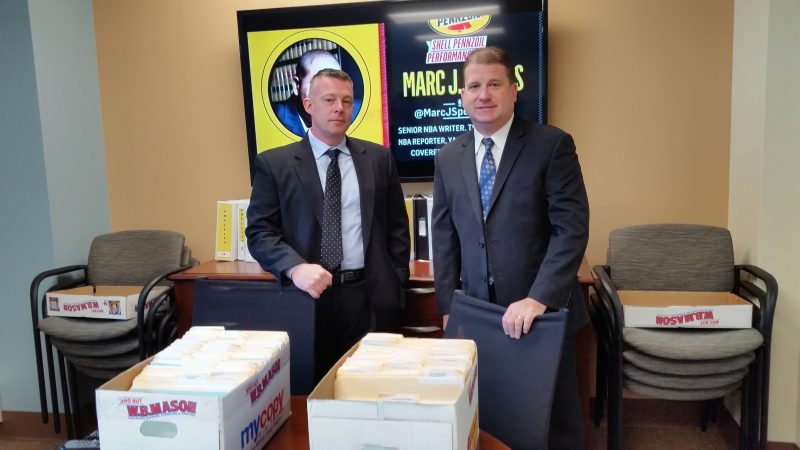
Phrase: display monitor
(405, 59)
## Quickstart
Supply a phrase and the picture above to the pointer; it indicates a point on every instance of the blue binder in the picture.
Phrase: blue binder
(251, 305)
(516, 378)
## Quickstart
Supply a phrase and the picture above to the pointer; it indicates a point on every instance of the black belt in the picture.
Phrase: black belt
(348, 276)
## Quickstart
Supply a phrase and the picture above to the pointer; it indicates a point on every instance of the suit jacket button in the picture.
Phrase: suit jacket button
(483, 279)
(481, 245)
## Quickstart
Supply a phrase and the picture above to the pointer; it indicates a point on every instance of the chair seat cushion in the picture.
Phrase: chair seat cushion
(124, 344)
(687, 367)
(80, 329)
(100, 374)
(105, 362)
(678, 394)
(693, 344)
(679, 382)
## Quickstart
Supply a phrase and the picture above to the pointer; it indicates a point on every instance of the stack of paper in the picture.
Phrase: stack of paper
(392, 367)
(210, 360)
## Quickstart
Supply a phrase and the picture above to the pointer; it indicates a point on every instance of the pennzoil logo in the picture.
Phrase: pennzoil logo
(459, 26)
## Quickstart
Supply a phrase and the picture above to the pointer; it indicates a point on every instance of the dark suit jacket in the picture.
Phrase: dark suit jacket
(285, 214)
(536, 230)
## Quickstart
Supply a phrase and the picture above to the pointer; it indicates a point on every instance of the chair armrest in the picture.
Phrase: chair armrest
(607, 293)
(145, 327)
(36, 285)
(149, 346)
(766, 297)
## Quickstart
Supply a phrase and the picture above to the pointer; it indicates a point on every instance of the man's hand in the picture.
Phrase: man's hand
(312, 278)
(444, 321)
(520, 315)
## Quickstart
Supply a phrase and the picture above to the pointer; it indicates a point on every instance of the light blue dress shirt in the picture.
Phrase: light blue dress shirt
(352, 242)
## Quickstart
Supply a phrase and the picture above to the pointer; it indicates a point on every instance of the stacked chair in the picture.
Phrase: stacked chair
(682, 364)
(100, 348)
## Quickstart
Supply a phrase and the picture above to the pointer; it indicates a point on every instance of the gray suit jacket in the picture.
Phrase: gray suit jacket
(536, 231)
(285, 214)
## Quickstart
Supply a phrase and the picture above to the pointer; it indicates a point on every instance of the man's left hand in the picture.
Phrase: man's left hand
(520, 315)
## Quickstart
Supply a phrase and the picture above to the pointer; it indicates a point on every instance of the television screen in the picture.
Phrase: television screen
(405, 59)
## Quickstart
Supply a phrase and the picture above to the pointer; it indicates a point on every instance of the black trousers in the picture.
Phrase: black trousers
(344, 316)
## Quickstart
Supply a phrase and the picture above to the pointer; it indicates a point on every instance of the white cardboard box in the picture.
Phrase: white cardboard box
(99, 302)
(244, 419)
(397, 425)
(682, 309)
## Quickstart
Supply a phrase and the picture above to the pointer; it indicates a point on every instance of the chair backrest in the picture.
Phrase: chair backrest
(250, 305)
(134, 257)
(671, 257)
(514, 404)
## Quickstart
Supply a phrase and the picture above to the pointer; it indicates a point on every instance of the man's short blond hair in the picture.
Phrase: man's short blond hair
(330, 73)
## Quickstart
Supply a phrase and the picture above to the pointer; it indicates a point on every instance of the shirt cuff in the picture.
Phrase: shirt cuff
(288, 272)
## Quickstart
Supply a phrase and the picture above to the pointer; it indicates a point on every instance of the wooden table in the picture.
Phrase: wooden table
(293, 435)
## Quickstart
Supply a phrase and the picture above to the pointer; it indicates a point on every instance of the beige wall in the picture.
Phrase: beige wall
(645, 89)
(643, 86)
(765, 189)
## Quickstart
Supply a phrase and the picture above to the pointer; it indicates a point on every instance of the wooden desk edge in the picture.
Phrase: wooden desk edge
(420, 271)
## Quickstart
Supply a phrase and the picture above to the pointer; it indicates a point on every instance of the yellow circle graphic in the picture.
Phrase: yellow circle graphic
(300, 36)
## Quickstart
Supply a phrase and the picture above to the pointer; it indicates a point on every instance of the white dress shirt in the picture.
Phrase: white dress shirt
(499, 138)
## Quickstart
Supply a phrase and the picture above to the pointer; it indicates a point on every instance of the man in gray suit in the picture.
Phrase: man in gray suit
(511, 221)
(350, 250)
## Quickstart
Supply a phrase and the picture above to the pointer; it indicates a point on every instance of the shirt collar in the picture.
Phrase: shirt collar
(499, 137)
(319, 148)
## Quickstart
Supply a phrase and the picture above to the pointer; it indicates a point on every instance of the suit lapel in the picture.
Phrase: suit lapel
(470, 173)
(366, 186)
(306, 168)
(511, 152)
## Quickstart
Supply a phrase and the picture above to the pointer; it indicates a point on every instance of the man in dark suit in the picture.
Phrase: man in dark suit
(511, 221)
(347, 246)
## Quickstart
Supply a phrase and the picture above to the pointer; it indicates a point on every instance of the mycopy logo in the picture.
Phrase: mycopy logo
(264, 422)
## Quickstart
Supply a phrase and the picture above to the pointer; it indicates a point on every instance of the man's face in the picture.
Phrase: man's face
(488, 96)
(330, 105)
(316, 64)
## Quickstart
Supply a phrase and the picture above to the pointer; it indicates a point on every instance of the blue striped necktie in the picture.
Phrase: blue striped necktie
(488, 172)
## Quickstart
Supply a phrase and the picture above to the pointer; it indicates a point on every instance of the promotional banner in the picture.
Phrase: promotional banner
(425, 59)
(405, 59)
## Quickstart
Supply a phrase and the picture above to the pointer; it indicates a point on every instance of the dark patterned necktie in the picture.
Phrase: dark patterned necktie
(331, 251)
(488, 172)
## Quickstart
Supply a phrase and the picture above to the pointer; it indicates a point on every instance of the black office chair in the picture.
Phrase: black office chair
(259, 305)
(515, 399)
(100, 348)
